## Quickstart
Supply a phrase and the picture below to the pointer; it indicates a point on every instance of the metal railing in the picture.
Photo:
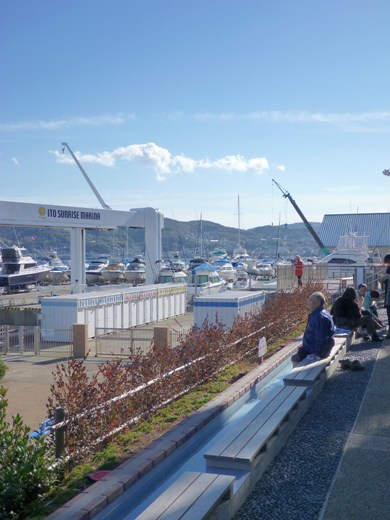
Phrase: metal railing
(335, 283)
(123, 342)
(60, 422)
(33, 341)
(286, 279)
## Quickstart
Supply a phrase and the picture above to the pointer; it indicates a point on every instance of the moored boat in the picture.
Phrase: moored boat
(60, 272)
(114, 272)
(204, 280)
(168, 275)
(20, 270)
(135, 272)
(225, 269)
(351, 252)
(265, 270)
(94, 270)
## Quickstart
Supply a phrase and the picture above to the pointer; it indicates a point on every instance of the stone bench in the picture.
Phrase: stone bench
(193, 496)
(308, 373)
(241, 448)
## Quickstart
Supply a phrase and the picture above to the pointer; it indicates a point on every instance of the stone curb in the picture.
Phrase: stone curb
(88, 503)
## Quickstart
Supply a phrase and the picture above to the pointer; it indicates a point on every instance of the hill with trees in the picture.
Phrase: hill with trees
(187, 238)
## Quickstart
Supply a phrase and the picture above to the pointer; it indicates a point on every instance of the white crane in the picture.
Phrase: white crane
(92, 186)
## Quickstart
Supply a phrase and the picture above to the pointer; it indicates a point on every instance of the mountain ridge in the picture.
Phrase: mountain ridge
(189, 238)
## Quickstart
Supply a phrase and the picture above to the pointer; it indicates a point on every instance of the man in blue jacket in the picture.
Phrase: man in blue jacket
(318, 337)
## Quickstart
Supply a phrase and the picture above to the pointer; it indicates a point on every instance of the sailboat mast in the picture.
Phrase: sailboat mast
(239, 221)
(201, 236)
(277, 241)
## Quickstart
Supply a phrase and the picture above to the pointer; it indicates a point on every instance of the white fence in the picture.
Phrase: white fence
(286, 279)
(123, 342)
(28, 340)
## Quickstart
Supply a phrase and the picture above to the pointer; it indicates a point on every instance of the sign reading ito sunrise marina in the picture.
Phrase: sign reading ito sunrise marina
(26, 214)
(69, 213)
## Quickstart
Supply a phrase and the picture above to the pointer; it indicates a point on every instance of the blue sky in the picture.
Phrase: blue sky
(183, 105)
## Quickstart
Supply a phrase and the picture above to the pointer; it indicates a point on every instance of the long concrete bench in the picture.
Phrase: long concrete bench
(193, 496)
(308, 373)
(242, 447)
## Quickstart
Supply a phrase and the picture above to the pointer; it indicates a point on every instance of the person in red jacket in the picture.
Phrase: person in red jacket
(299, 270)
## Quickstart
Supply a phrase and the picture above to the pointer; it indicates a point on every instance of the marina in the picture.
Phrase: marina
(195, 261)
(132, 308)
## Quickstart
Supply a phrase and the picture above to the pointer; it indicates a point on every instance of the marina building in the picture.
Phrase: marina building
(376, 226)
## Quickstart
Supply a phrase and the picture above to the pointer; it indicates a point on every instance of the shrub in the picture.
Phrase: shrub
(123, 393)
(3, 368)
(25, 472)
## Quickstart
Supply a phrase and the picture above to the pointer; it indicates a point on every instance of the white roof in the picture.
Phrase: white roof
(114, 291)
(230, 295)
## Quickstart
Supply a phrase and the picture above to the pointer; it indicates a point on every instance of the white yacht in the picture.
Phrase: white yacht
(351, 252)
(114, 272)
(168, 275)
(225, 269)
(60, 272)
(178, 263)
(136, 272)
(204, 280)
(265, 270)
(218, 254)
(242, 281)
(195, 262)
(239, 265)
(20, 270)
(94, 270)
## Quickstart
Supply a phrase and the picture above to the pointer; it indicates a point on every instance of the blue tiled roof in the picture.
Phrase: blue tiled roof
(374, 225)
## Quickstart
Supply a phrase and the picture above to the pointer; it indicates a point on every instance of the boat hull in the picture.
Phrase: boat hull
(94, 278)
(228, 276)
(137, 277)
(194, 291)
(113, 276)
(59, 277)
(21, 280)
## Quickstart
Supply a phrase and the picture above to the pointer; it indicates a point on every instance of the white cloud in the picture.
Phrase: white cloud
(281, 167)
(291, 116)
(15, 161)
(165, 163)
(58, 124)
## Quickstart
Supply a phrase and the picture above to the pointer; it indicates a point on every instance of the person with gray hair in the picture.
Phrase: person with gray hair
(318, 339)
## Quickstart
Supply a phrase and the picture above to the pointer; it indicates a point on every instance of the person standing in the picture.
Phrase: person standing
(299, 269)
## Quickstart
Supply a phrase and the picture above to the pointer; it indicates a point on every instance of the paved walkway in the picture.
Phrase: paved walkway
(360, 489)
(29, 377)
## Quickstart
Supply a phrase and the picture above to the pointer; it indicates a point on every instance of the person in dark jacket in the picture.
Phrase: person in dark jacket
(347, 314)
(386, 261)
(318, 337)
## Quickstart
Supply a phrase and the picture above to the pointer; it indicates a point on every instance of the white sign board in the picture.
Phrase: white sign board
(262, 349)
(49, 215)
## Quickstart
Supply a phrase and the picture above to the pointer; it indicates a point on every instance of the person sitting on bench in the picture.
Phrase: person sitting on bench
(361, 293)
(347, 314)
(318, 337)
(370, 308)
